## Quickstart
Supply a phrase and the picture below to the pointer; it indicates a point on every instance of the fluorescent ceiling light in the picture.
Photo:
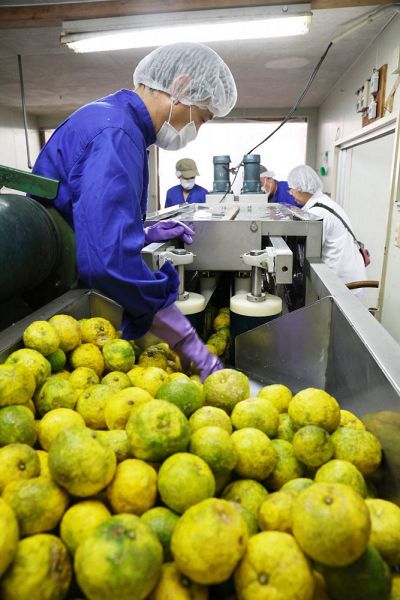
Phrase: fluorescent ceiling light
(217, 25)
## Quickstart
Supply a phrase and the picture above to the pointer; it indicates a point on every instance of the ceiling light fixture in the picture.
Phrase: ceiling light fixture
(141, 31)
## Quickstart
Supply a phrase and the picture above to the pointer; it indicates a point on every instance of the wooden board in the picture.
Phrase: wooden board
(379, 97)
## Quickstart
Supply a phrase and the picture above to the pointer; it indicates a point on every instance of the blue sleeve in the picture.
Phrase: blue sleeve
(168, 201)
(107, 188)
(174, 196)
(282, 194)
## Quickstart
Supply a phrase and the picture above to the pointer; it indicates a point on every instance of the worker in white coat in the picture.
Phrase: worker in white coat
(339, 248)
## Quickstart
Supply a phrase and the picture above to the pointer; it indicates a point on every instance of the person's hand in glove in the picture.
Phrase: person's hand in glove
(167, 230)
(170, 325)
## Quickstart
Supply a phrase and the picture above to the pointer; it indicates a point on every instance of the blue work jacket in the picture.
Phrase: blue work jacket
(99, 155)
(282, 194)
(175, 195)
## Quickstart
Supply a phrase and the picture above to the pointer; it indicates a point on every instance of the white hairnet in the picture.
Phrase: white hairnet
(190, 73)
(304, 179)
(267, 173)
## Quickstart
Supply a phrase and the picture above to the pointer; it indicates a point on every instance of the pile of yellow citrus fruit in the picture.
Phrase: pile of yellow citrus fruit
(121, 477)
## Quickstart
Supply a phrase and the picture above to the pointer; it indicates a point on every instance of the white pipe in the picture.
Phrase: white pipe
(368, 18)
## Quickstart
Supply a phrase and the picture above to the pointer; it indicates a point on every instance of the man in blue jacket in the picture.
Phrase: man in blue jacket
(99, 155)
(278, 191)
(188, 191)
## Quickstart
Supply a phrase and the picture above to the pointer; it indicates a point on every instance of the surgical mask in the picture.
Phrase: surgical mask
(169, 138)
(187, 184)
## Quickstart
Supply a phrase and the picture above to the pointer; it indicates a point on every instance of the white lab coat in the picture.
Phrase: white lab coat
(339, 250)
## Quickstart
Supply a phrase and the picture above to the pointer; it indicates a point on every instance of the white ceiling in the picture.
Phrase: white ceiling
(268, 73)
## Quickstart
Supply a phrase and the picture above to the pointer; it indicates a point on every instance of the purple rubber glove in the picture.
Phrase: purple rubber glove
(170, 325)
(167, 230)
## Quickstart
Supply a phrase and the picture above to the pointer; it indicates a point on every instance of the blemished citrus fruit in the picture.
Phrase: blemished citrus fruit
(177, 375)
(81, 461)
(55, 421)
(185, 394)
(91, 404)
(248, 517)
(385, 529)
(17, 384)
(134, 372)
(175, 586)
(248, 493)
(347, 419)
(312, 445)
(211, 348)
(119, 407)
(331, 523)
(257, 413)
(32, 360)
(157, 429)
(153, 356)
(82, 377)
(183, 480)
(17, 461)
(117, 380)
(38, 504)
(68, 330)
(256, 456)
(274, 567)
(41, 570)
(118, 440)
(63, 374)
(286, 428)
(225, 388)
(359, 447)
(162, 522)
(276, 512)
(118, 355)
(287, 466)
(297, 485)
(221, 320)
(368, 578)
(9, 535)
(215, 447)
(150, 379)
(208, 541)
(87, 355)
(279, 395)
(17, 425)
(97, 330)
(219, 343)
(41, 336)
(57, 360)
(44, 464)
(133, 488)
(342, 471)
(210, 416)
(314, 407)
(80, 520)
(137, 569)
(55, 393)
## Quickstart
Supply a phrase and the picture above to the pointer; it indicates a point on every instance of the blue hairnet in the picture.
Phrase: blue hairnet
(304, 179)
(190, 73)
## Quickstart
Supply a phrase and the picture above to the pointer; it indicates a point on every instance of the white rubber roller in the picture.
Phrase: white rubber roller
(271, 306)
(196, 303)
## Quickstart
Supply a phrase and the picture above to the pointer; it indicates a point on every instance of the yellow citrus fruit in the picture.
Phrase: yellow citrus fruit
(183, 480)
(395, 593)
(153, 356)
(287, 466)
(215, 447)
(185, 394)
(17, 384)
(44, 464)
(320, 592)
(347, 419)
(17, 461)
(209, 540)
(150, 379)
(133, 488)
(257, 413)
(157, 429)
(97, 330)
(276, 512)
(137, 569)
(359, 447)
(41, 570)
(118, 440)
(278, 394)
(219, 343)
(315, 407)
(248, 493)
(211, 348)
(30, 404)
(134, 372)
(55, 393)
(118, 355)
(274, 567)
(256, 456)
(68, 330)
(385, 529)
(297, 485)
(175, 586)
(38, 504)
(116, 380)
(63, 374)
(342, 471)
(41, 336)
(221, 320)
(225, 388)
(177, 375)
(80, 520)
(81, 461)
(17, 425)
(87, 355)
(32, 360)
(286, 428)
(210, 416)
(82, 377)
(91, 403)
(162, 522)
(248, 517)
(8, 536)
(55, 421)
(331, 523)
(312, 445)
(57, 360)
(120, 405)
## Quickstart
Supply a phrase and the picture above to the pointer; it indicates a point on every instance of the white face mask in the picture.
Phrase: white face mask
(169, 138)
(187, 184)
